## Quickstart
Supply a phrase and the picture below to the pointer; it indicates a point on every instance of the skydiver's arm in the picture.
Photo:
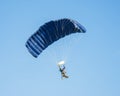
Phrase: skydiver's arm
(60, 69)
(63, 67)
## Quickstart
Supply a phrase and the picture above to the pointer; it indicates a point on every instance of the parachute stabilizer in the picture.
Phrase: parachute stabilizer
(61, 63)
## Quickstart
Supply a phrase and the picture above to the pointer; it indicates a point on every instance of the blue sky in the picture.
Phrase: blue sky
(92, 59)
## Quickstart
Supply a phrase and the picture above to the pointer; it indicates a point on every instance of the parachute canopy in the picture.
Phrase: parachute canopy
(51, 32)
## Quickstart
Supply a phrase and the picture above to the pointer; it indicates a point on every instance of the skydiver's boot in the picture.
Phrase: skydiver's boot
(65, 76)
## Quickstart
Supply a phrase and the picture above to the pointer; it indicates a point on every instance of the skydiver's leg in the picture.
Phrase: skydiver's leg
(66, 76)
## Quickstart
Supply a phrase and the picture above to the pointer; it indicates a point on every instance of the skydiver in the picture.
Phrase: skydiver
(63, 72)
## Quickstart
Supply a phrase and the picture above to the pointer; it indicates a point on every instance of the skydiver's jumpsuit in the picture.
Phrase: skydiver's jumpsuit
(63, 73)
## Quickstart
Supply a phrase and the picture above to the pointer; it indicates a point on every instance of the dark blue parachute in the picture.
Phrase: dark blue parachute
(51, 32)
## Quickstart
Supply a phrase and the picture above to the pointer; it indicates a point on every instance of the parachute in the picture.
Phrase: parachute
(51, 32)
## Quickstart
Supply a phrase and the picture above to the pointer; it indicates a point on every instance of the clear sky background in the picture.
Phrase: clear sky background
(92, 59)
